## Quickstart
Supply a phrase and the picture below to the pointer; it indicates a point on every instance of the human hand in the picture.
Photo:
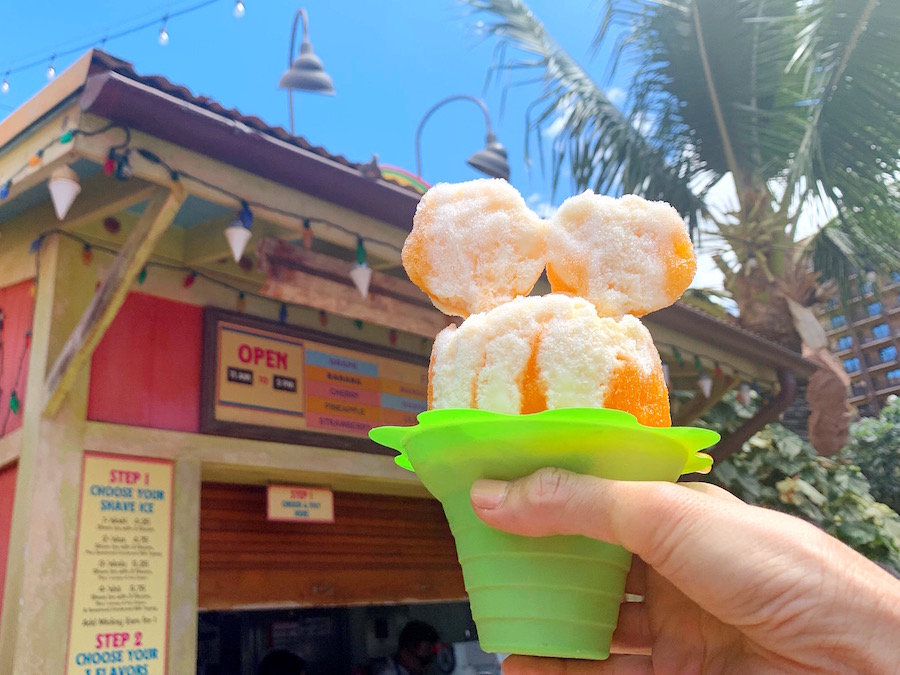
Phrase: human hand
(727, 587)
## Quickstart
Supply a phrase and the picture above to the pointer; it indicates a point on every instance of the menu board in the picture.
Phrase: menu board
(283, 380)
(118, 623)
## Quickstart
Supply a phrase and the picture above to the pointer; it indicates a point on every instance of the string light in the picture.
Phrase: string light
(5, 86)
(282, 313)
(307, 234)
(239, 10)
(241, 302)
(358, 323)
(392, 337)
(142, 275)
(51, 69)
(163, 33)
(14, 404)
(190, 279)
(118, 164)
(104, 38)
(87, 255)
(323, 318)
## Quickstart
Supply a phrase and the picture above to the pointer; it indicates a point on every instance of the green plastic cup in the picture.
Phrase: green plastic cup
(543, 596)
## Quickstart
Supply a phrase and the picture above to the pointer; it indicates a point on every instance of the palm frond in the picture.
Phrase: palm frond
(840, 251)
(847, 152)
(605, 149)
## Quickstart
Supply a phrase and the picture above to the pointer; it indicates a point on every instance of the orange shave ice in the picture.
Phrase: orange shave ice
(477, 251)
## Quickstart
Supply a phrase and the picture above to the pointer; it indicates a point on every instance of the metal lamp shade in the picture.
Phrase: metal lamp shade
(307, 74)
(491, 160)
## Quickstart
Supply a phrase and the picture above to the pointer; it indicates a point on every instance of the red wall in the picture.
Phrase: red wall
(146, 370)
(18, 306)
(7, 492)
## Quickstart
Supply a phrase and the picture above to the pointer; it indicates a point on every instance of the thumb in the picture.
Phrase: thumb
(683, 533)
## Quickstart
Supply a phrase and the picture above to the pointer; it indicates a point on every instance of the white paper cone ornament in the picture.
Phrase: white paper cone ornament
(64, 187)
(705, 384)
(237, 236)
(362, 277)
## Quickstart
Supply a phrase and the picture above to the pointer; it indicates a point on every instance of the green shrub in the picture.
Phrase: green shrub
(875, 447)
(779, 470)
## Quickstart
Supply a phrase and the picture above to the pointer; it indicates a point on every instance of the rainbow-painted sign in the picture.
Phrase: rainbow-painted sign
(402, 177)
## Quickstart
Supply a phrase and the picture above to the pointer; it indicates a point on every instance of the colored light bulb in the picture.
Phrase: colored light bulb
(282, 313)
(190, 279)
(142, 275)
(323, 318)
(14, 404)
(87, 255)
(241, 302)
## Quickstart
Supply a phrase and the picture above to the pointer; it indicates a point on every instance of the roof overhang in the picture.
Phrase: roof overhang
(159, 114)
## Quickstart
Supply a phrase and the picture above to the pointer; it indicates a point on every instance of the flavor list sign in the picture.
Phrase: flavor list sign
(349, 394)
(118, 622)
(265, 378)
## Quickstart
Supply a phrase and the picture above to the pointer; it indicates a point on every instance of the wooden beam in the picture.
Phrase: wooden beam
(700, 405)
(250, 187)
(112, 293)
(100, 196)
(55, 92)
(305, 277)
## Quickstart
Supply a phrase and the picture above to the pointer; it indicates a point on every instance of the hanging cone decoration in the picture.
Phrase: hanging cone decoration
(362, 277)
(238, 233)
(705, 383)
(64, 187)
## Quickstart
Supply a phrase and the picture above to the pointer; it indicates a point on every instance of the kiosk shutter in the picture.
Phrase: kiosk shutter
(379, 549)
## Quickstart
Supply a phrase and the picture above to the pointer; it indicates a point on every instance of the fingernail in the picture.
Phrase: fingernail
(489, 494)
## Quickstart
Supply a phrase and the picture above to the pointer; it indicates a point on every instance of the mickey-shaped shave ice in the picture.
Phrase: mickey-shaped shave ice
(477, 251)
(474, 246)
(625, 255)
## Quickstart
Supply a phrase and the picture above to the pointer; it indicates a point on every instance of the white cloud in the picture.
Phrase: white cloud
(616, 96)
(540, 205)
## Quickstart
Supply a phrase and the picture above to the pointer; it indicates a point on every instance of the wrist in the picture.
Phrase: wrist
(876, 624)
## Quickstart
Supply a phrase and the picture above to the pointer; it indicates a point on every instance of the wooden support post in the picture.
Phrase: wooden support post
(157, 217)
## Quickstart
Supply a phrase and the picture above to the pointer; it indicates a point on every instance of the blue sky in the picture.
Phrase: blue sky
(390, 62)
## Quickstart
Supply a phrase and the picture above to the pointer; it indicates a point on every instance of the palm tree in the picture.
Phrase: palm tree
(796, 101)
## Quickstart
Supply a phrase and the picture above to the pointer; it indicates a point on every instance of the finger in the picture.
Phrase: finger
(636, 581)
(682, 533)
(632, 634)
(711, 490)
(616, 664)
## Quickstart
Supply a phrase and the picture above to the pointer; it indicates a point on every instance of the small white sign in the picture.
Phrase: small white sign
(298, 503)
